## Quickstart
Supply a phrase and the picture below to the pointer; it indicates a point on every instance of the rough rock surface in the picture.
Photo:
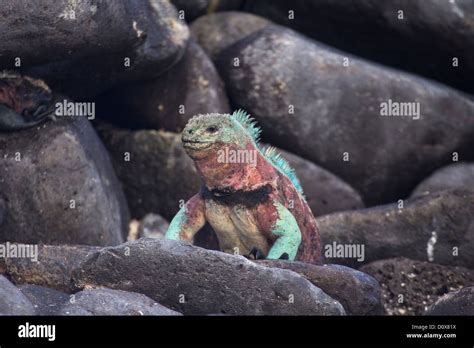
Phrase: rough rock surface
(196, 8)
(325, 192)
(217, 31)
(344, 117)
(455, 176)
(439, 227)
(191, 9)
(112, 302)
(45, 300)
(12, 301)
(59, 186)
(359, 293)
(193, 280)
(422, 36)
(53, 269)
(95, 44)
(158, 176)
(192, 86)
(409, 287)
(460, 302)
(2, 210)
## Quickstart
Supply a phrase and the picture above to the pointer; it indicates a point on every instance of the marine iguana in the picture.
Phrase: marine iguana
(257, 208)
(24, 102)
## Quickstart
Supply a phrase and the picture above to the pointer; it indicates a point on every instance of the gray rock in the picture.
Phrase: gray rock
(455, 176)
(337, 117)
(159, 175)
(191, 9)
(439, 226)
(217, 31)
(325, 192)
(53, 269)
(59, 186)
(359, 293)
(193, 280)
(88, 42)
(190, 87)
(2, 210)
(431, 31)
(196, 8)
(12, 301)
(45, 300)
(460, 302)
(152, 226)
(409, 287)
(112, 302)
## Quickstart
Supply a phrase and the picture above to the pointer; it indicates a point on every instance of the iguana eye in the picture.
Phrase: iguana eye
(211, 129)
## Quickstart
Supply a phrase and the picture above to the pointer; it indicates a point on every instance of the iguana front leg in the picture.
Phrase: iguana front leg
(188, 221)
(281, 223)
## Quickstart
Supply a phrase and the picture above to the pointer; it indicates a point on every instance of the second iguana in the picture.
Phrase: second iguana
(24, 102)
(250, 195)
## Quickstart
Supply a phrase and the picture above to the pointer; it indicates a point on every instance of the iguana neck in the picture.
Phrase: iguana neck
(219, 171)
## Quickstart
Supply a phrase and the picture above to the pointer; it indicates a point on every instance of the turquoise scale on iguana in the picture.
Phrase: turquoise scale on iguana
(256, 208)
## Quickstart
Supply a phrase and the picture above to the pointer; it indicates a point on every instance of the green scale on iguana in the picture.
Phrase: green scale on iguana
(255, 207)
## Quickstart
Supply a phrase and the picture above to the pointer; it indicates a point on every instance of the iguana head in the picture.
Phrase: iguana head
(225, 150)
(205, 134)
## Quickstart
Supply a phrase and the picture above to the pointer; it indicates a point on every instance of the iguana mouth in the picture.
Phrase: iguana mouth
(197, 145)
